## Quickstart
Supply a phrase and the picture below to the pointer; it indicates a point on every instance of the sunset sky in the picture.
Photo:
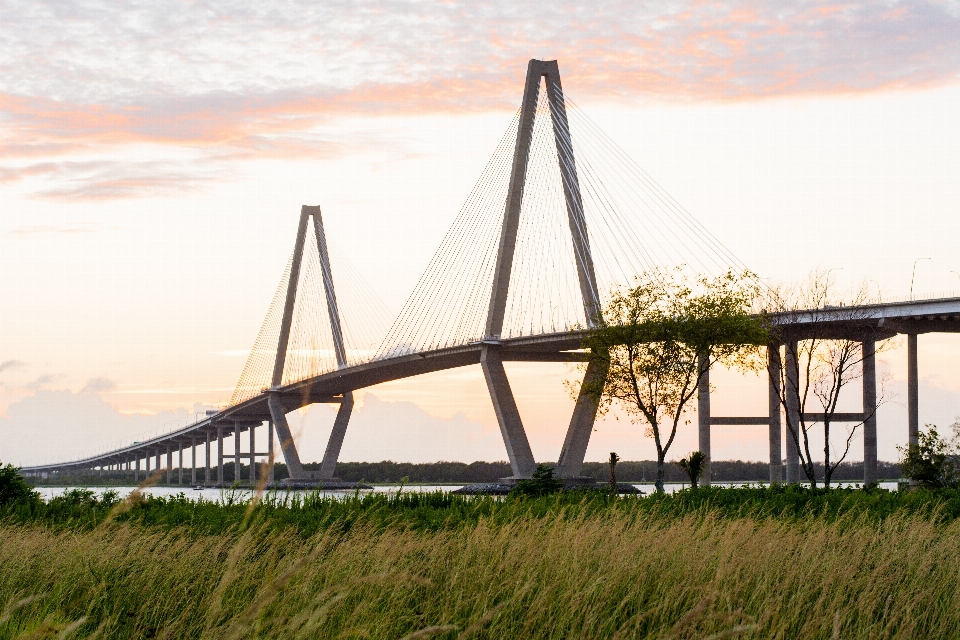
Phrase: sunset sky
(154, 158)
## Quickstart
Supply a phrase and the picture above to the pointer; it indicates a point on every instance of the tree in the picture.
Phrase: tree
(13, 488)
(817, 369)
(542, 483)
(693, 465)
(933, 462)
(614, 459)
(659, 338)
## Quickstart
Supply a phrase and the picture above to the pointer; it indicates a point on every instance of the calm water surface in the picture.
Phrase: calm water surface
(216, 495)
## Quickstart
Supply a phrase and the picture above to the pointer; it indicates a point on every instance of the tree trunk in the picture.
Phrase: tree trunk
(660, 472)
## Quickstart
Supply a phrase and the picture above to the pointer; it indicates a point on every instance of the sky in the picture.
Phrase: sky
(154, 158)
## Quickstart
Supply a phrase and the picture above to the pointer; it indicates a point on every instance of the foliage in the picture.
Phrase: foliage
(731, 563)
(13, 488)
(816, 370)
(612, 483)
(932, 462)
(542, 483)
(693, 465)
(657, 340)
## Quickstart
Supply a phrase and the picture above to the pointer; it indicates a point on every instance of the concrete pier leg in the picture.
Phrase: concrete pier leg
(236, 452)
(295, 469)
(220, 456)
(913, 391)
(193, 461)
(270, 457)
(793, 413)
(159, 466)
(169, 465)
(253, 450)
(146, 464)
(332, 453)
(207, 479)
(870, 413)
(508, 416)
(703, 417)
(180, 466)
(581, 426)
(776, 428)
(136, 470)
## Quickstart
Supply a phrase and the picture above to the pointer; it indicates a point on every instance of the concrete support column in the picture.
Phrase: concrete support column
(193, 461)
(870, 413)
(159, 466)
(508, 416)
(294, 468)
(703, 416)
(146, 464)
(253, 450)
(220, 456)
(773, 402)
(581, 425)
(270, 450)
(180, 465)
(206, 474)
(236, 452)
(791, 394)
(332, 453)
(136, 470)
(169, 465)
(913, 391)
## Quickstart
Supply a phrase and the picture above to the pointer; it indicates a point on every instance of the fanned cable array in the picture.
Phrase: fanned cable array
(449, 304)
(633, 226)
(310, 350)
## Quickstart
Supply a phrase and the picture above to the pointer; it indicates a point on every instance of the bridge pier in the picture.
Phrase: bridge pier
(703, 417)
(335, 442)
(508, 416)
(793, 413)
(169, 464)
(869, 413)
(193, 461)
(289, 449)
(270, 458)
(581, 426)
(180, 465)
(206, 474)
(913, 392)
(219, 456)
(236, 451)
(136, 469)
(773, 403)
(253, 448)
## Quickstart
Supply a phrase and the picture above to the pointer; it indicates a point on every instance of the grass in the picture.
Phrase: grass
(721, 563)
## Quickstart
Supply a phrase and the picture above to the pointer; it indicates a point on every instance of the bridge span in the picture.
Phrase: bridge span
(493, 294)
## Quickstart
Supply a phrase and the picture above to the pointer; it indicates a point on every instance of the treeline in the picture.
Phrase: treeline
(388, 471)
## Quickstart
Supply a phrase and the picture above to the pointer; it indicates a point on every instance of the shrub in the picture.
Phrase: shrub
(542, 483)
(13, 488)
(932, 462)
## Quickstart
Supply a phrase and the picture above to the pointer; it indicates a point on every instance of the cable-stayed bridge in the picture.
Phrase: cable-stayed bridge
(559, 219)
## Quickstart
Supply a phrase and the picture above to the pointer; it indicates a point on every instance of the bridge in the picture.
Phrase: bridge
(558, 219)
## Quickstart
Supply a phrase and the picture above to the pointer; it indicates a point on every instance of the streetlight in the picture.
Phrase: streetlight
(914, 274)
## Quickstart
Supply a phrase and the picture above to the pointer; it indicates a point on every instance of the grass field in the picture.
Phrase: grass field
(717, 563)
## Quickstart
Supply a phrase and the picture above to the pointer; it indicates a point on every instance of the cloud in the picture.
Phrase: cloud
(11, 364)
(99, 385)
(235, 81)
(44, 380)
(47, 229)
(62, 425)
(383, 430)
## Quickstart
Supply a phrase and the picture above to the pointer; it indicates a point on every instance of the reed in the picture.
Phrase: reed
(552, 567)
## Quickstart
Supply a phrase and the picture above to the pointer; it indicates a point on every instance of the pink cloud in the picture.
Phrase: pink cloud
(235, 81)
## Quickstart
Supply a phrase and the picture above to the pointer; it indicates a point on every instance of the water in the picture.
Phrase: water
(216, 495)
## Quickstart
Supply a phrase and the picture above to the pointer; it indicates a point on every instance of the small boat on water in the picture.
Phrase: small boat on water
(198, 488)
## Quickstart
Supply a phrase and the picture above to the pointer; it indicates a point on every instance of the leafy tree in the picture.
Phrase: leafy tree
(659, 338)
(13, 488)
(694, 465)
(540, 484)
(933, 462)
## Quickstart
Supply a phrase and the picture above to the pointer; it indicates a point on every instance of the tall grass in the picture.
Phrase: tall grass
(554, 567)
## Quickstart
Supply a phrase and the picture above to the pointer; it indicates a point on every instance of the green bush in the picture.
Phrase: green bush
(13, 488)
(541, 484)
(932, 462)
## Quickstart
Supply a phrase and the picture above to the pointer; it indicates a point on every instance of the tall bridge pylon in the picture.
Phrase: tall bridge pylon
(276, 404)
(505, 406)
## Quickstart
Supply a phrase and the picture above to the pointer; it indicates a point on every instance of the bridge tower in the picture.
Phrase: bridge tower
(278, 408)
(505, 406)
